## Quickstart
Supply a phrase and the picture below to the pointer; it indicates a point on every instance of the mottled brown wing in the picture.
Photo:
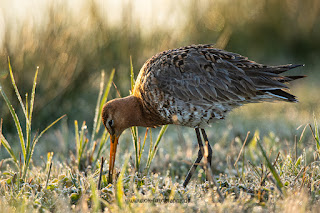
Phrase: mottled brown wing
(202, 75)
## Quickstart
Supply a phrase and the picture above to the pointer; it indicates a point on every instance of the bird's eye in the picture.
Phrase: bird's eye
(110, 122)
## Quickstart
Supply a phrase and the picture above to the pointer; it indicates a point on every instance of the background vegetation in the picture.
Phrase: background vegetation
(73, 41)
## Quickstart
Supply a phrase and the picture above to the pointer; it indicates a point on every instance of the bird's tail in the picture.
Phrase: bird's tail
(279, 93)
(282, 68)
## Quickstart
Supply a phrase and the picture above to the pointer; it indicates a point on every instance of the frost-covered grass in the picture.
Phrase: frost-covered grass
(277, 170)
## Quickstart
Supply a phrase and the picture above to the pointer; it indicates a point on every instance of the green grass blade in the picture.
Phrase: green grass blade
(76, 133)
(131, 75)
(302, 133)
(27, 161)
(134, 133)
(119, 187)
(84, 145)
(17, 91)
(7, 146)
(103, 141)
(104, 98)
(49, 160)
(142, 148)
(149, 153)
(33, 96)
(16, 122)
(43, 131)
(270, 166)
(29, 113)
(81, 143)
(155, 148)
(95, 196)
(134, 130)
(97, 114)
(35, 140)
(161, 133)
(316, 132)
(27, 108)
(28, 126)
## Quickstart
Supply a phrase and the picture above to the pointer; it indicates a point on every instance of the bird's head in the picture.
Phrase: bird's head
(118, 115)
(113, 117)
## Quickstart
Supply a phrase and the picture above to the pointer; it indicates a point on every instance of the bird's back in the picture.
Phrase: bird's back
(194, 85)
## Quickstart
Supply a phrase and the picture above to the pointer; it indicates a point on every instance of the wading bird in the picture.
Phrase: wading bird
(193, 86)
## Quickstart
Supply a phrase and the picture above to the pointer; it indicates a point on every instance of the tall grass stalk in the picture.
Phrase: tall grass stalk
(26, 141)
(134, 133)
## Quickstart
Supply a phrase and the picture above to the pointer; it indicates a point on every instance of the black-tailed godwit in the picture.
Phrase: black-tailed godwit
(193, 86)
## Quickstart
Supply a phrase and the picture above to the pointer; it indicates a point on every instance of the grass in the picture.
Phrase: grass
(266, 172)
(26, 141)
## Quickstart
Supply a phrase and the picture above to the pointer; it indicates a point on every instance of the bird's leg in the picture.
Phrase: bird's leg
(197, 161)
(207, 155)
(206, 141)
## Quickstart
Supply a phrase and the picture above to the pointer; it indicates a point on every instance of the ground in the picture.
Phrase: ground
(277, 169)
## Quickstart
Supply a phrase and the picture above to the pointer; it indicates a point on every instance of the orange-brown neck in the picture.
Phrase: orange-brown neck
(131, 111)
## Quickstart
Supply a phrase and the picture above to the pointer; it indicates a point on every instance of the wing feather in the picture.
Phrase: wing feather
(204, 75)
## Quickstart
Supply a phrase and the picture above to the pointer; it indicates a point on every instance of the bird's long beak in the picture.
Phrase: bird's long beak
(113, 150)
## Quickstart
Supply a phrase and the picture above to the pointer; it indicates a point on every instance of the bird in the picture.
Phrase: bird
(193, 86)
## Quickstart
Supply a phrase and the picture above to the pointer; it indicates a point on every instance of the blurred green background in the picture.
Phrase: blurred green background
(73, 41)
